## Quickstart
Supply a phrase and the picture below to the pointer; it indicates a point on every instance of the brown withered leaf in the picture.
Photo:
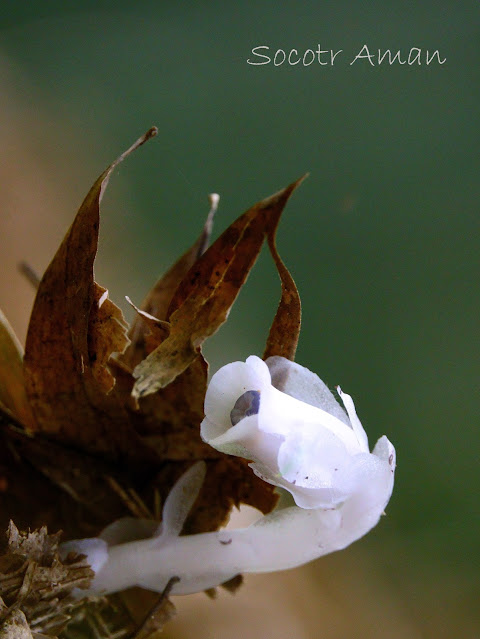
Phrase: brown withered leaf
(107, 334)
(12, 383)
(202, 301)
(168, 420)
(157, 302)
(170, 417)
(149, 331)
(285, 330)
(63, 380)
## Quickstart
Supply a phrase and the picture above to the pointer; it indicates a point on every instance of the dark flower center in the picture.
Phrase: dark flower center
(246, 405)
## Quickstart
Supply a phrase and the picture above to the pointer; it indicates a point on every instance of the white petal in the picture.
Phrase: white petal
(247, 441)
(181, 499)
(363, 510)
(127, 529)
(281, 414)
(356, 423)
(315, 458)
(385, 450)
(95, 549)
(297, 381)
(226, 386)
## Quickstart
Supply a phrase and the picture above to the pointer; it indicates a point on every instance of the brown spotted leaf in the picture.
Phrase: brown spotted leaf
(203, 300)
(63, 380)
(285, 330)
(12, 383)
(171, 416)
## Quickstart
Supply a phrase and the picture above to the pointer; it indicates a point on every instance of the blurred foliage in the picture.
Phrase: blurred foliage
(382, 239)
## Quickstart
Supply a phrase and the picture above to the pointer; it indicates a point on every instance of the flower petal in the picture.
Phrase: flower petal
(181, 499)
(374, 476)
(312, 457)
(300, 383)
(355, 422)
(226, 386)
(385, 450)
(283, 415)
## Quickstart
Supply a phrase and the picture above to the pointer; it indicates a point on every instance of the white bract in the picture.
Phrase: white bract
(284, 419)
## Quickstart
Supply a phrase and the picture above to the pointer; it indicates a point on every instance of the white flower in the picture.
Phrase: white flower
(285, 420)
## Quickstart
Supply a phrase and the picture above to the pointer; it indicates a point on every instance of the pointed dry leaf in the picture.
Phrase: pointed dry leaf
(204, 298)
(150, 332)
(12, 383)
(285, 330)
(61, 380)
(157, 302)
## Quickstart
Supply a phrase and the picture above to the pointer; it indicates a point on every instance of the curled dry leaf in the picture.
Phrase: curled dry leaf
(203, 300)
(172, 406)
(285, 330)
(65, 380)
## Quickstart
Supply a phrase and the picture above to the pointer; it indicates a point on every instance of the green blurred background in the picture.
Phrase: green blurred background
(382, 239)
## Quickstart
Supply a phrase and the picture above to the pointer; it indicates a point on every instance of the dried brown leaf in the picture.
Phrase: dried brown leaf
(285, 330)
(158, 300)
(203, 300)
(150, 332)
(62, 381)
(12, 383)
(107, 334)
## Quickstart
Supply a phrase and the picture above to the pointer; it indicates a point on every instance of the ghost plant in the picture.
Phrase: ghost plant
(109, 421)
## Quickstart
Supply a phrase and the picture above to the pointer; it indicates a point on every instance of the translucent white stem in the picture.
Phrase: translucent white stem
(281, 540)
